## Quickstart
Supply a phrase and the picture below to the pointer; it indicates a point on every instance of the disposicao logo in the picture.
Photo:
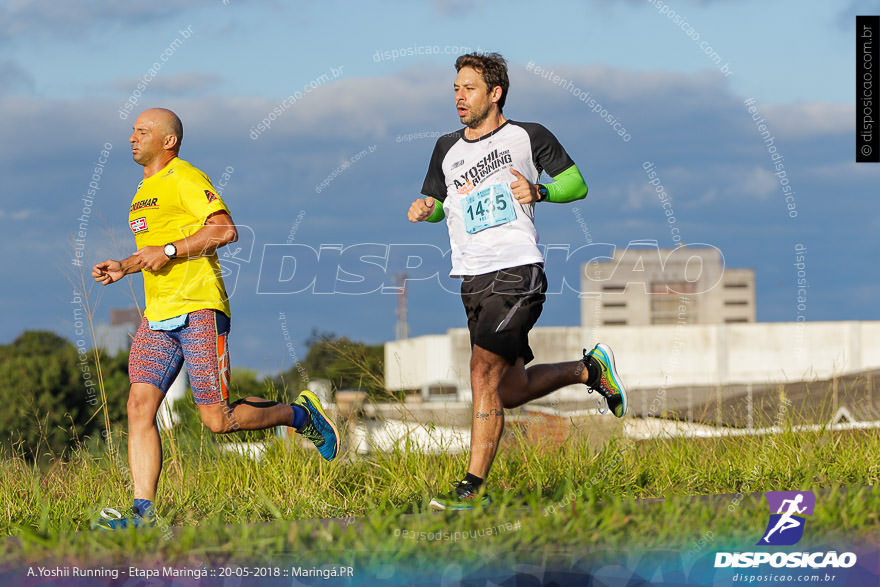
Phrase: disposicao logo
(787, 511)
(786, 528)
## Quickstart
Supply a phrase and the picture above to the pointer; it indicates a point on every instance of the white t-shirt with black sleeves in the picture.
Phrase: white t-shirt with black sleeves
(488, 229)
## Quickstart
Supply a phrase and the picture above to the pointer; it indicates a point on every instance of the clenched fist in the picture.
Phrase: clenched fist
(421, 209)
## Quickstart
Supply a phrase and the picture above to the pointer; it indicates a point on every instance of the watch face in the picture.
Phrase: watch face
(170, 250)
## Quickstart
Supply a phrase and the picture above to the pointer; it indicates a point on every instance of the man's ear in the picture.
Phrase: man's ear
(495, 94)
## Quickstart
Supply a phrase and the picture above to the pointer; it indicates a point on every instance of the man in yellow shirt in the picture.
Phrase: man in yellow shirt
(179, 222)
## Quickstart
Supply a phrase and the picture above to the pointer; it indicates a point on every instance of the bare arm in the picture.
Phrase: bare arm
(110, 271)
(219, 230)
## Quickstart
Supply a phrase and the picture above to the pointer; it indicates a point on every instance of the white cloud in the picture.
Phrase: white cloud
(757, 182)
(30, 18)
(809, 119)
(181, 84)
(708, 154)
(637, 195)
(362, 109)
(23, 214)
(616, 83)
(845, 171)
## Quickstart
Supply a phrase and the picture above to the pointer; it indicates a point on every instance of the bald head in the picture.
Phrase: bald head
(156, 138)
(166, 121)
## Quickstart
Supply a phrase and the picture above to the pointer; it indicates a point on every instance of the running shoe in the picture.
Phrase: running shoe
(319, 429)
(608, 382)
(463, 497)
(112, 519)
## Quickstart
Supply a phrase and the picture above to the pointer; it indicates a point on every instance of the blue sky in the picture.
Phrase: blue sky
(363, 134)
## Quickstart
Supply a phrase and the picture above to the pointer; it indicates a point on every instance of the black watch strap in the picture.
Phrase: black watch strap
(542, 191)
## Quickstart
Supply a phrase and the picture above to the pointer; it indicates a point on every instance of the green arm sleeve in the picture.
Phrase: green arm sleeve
(438, 214)
(568, 186)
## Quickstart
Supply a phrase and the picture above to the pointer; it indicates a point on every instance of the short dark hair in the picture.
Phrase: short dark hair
(492, 67)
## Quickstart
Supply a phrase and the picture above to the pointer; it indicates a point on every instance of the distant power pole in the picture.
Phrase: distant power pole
(401, 329)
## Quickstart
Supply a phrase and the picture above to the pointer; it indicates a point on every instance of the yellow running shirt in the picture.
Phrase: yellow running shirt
(169, 205)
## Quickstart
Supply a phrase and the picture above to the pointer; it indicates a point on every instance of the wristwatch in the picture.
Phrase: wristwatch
(542, 192)
(170, 250)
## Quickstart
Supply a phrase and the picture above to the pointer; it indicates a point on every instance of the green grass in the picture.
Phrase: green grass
(549, 501)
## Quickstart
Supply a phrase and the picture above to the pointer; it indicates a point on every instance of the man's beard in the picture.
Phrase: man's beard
(476, 119)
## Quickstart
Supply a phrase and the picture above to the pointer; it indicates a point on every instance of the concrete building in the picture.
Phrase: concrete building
(683, 330)
(116, 337)
(655, 357)
(643, 285)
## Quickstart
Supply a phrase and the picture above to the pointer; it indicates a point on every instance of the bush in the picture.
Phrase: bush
(346, 364)
(50, 394)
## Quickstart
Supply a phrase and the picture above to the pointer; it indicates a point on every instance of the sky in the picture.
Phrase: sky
(316, 122)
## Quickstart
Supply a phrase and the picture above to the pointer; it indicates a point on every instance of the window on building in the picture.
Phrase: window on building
(672, 310)
(665, 305)
(441, 391)
(656, 320)
(673, 288)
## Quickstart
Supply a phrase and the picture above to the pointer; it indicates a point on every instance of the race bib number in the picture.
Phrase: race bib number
(488, 207)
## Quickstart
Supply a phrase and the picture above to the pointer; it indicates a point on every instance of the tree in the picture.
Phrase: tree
(346, 364)
(49, 392)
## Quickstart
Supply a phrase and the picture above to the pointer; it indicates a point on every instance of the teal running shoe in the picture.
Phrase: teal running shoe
(463, 497)
(112, 519)
(319, 429)
(604, 379)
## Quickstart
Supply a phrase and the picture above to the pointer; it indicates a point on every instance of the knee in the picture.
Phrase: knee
(487, 371)
(217, 421)
(141, 408)
(481, 373)
(483, 361)
(480, 369)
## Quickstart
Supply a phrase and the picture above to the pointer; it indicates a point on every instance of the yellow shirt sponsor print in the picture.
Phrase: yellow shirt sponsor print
(168, 206)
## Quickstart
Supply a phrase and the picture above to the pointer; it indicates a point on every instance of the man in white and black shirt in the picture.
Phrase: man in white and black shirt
(483, 180)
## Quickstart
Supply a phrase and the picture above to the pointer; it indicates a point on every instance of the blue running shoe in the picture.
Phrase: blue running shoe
(319, 429)
(112, 519)
(605, 380)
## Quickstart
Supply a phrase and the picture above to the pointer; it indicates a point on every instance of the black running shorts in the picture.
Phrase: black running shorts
(502, 307)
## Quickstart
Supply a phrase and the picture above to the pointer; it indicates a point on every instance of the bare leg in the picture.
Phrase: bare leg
(144, 444)
(250, 413)
(521, 385)
(487, 371)
(497, 385)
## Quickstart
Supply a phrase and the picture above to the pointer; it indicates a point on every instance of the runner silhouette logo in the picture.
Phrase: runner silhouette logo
(787, 511)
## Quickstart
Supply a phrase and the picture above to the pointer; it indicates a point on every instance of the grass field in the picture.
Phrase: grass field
(549, 503)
